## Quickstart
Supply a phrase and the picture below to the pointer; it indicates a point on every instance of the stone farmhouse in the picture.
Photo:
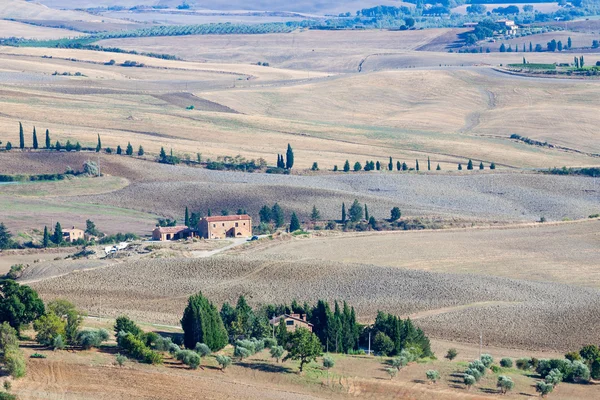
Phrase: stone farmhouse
(73, 234)
(218, 227)
(292, 322)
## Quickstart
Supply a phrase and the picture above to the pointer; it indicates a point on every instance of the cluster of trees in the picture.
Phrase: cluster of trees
(590, 171)
(371, 166)
(286, 162)
(481, 166)
(132, 340)
(393, 335)
(271, 218)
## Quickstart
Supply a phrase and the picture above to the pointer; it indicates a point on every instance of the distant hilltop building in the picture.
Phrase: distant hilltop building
(508, 24)
(73, 234)
(225, 226)
(219, 227)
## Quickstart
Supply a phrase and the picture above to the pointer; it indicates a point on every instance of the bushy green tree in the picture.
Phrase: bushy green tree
(432, 375)
(315, 215)
(129, 149)
(223, 361)
(277, 216)
(277, 352)
(487, 360)
(506, 363)
(6, 241)
(382, 344)
(392, 372)
(346, 166)
(89, 338)
(304, 346)
(469, 380)
(19, 304)
(543, 388)
(356, 211)
(57, 236)
(125, 324)
(357, 166)
(48, 327)
(202, 323)
(451, 354)
(294, 223)
(395, 214)
(505, 384)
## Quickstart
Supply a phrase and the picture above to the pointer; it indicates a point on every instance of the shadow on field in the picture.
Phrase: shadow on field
(265, 367)
(488, 391)
(176, 337)
(527, 394)
(424, 382)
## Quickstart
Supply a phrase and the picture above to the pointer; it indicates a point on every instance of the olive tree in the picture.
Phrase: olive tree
(505, 384)
(432, 375)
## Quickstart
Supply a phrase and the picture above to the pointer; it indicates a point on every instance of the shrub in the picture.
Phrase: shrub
(579, 372)
(469, 380)
(137, 349)
(399, 362)
(495, 369)
(58, 343)
(505, 384)
(277, 352)
(451, 354)
(487, 360)
(383, 344)
(432, 375)
(14, 362)
(392, 372)
(270, 342)
(506, 363)
(189, 358)
(120, 359)
(543, 388)
(242, 352)
(554, 377)
(523, 363)
(474, 372)
(478, 365)
(202, 349)
(7, 385)
(124, 324)
(7, 396)
(573, 356)
(223, 361)
(37, 355)
(92, 338)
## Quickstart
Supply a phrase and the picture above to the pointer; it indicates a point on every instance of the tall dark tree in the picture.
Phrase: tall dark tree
(98, 145)
(438, 168)
(21, 137)
(57, 236)
(428, 164)
(6, 241)
(356, 211)
(202, 323)
(493, 166)
(141, 151)
(343, 213)
(129, 149)
(187, 217)
(481, 165)
(569, 42)
(366, 213)
(119, 150)
(277, 215)
(346, 166)
(398, 165)
(294, 223)
(417, 165)
(357, 166)
(460, 167)
(35, 141)
(289, 157)
(46, 239)
(378, 166)
(395, 214)
(315, 215)
(265, 214)
(470, 165)
(391, 165)
(48, 143)
(404, 166)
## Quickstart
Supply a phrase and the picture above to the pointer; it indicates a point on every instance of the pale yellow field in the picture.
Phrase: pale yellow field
(21, 9)
(20, 30)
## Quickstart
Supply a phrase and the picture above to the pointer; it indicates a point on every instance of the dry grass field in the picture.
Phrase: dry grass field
(27, 31)
(22, 9)
(563, 252)
(511, 313)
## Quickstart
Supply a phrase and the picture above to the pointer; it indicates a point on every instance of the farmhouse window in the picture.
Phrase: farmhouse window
(237, 224)
(214, 225)
(289, 322)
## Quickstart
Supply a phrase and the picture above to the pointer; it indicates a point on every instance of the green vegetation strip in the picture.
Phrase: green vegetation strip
(533, 66)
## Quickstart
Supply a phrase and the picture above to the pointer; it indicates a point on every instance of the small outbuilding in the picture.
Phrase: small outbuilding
(292, 322)
(164, 233)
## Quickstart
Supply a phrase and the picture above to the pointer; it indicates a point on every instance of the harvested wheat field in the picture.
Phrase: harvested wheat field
(564, 252)
(460, 304)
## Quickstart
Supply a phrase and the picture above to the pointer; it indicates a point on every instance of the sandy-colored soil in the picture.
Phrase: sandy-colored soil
(459, 304)
(21, 9)
(17, 29)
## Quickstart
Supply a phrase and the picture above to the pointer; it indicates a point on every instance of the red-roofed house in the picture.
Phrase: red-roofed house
(225, 226)
(163, 233)
(292, 322)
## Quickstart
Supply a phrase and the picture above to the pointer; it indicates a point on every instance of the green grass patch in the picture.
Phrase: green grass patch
(533, 66)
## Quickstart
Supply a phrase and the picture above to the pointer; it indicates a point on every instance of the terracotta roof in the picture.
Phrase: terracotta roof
(275, 320)
(171, 229)
(224, 218)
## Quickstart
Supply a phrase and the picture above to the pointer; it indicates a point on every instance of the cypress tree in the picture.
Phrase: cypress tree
(417, 165)
(459, 167)
(99, 145)
(163, 154)
(129, 150)
(8, 146)
(492, 166)
(391, 165)
(35, 142)
(569, 42)
(428, 164)
(187, 218)
(77, 146)
(398, 165)
(57, 236)
(21, 137)
(530, 47)
(378, 166)
(48, 144)
(366, 213)
(119, 151)
(209, 213)
(289, 162)
(277, 215)
(141, 151)
(438, 168)
(346, 166)
(46, 240)
(481, 165)
(202, 323)
(404, 166)
(343, 212)
(57, 146)
(470, 165)
(294, 223)
(315, 215)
